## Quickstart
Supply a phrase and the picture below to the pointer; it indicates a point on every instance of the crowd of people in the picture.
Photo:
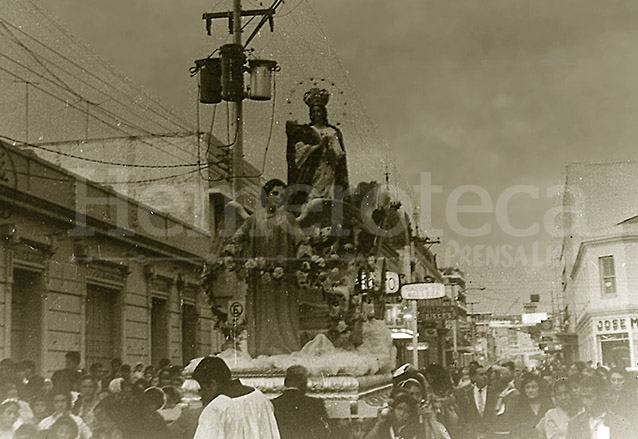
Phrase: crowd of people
(114, 401)
(502, 401)
(476, 402)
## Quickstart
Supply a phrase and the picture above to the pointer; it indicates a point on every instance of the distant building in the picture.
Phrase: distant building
(601, 292)
(599, 254)
(511, 340)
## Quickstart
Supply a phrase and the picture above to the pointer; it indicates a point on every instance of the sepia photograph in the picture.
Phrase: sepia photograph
(318, 219)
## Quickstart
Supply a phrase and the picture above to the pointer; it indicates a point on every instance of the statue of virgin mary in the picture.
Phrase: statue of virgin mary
(316, 154)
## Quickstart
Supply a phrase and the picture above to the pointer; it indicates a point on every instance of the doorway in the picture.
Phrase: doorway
(26, 316)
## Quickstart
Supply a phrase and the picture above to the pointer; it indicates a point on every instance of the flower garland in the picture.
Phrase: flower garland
(321, 269)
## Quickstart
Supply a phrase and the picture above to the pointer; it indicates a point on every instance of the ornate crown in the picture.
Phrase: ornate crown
(316, 96)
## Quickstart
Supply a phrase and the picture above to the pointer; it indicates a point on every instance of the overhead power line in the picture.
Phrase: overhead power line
(173, 117)
(116, 118)
(94, 116)
(85, 70)
(104, 162)
(147, 180)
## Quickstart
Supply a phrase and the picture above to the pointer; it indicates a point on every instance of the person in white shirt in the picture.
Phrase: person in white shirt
(232, 410)
(554, 423)
(62, 407)
(8, 418)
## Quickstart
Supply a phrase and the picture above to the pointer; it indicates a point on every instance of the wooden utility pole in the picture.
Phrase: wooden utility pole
(26, 111)
(473, 329)
(238, 116)
(237, 119)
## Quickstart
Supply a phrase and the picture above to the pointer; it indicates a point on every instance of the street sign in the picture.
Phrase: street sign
(236, 314)
(236, 309)
(422, 291)
(392, 283)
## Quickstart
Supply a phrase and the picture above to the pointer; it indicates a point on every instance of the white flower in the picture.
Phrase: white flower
(230, 249)
(342, 326)
(278, 272)
(229, 262)
(250, 264)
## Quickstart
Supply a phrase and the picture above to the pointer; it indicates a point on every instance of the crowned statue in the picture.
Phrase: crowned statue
(316, 154)
(305, 276)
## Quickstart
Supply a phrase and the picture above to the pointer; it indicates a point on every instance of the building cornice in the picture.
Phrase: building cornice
(609, 239)
(43, 187)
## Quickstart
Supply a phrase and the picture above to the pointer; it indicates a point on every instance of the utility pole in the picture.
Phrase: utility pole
(26, 108)
(26, 112)
(456, 320)
(238, 117)
(455, 343)
(414, 309)
(473, 329)
(234, 18)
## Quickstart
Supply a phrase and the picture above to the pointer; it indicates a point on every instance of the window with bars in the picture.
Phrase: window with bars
(607, 275)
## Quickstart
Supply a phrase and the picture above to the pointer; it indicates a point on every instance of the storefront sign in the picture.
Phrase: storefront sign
(620, 324)
(422, 291)
(392, 282)
(437, 313)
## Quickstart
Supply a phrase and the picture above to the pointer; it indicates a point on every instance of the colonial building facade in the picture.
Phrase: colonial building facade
(83, 268)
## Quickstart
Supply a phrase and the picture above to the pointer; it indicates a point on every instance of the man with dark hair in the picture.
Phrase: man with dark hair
(68, 378)
(100, 375)
(62, 407)
(87, 400)
(164, 364)
(300, 416)
(597, 420)
(116, 363)
(27, 379)
(501, 379)
(477, 406)
(232, 410)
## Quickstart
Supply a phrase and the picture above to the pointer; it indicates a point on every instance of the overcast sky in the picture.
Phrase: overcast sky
(490, 93)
